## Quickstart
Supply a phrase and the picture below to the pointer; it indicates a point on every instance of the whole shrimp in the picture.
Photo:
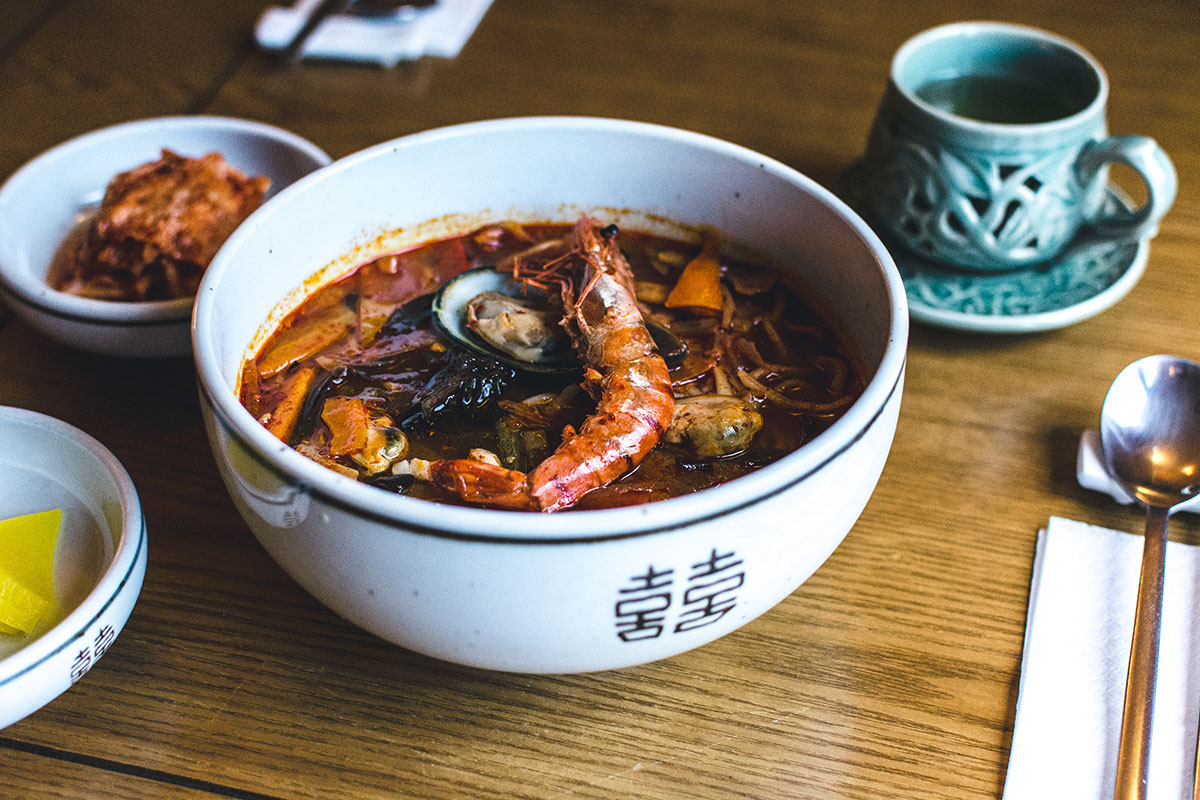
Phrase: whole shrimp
(635, 403)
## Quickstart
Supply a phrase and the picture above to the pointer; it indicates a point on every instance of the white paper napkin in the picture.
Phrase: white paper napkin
(1080, 621)
(440, 30)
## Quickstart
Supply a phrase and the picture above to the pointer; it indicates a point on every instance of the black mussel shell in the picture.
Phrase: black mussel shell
(450, 318)
(673, 349)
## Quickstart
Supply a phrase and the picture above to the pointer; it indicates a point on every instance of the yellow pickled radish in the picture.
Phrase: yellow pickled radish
(27, 569)
(20, 609)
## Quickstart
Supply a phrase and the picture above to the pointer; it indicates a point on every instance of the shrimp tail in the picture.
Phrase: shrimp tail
(497, 486)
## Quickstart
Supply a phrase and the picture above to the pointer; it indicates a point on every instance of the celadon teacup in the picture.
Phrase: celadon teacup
(990, 150)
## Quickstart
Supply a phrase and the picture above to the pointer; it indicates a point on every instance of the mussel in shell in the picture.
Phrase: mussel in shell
(450, 315)
(491, 313)
(526, 330)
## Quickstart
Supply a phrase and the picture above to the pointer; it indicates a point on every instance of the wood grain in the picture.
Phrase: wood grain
(891, 673)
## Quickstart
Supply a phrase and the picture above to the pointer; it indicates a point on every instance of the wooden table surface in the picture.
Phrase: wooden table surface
(891, 673)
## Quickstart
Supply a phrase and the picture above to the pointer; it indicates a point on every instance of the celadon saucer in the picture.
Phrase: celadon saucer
(1090, 276)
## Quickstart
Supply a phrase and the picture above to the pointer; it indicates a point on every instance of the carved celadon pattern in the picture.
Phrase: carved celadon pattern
(1074, 277)
(1089, 275)
(974, 209)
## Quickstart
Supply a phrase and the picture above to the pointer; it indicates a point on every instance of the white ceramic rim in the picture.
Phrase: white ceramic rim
(36, 293)
(1031, 129)
(116, 576)
(567, 527)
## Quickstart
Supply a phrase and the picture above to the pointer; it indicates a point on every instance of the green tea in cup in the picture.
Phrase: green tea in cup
(1008, 99)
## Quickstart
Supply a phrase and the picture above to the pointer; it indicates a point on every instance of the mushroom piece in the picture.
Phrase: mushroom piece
(713, 425)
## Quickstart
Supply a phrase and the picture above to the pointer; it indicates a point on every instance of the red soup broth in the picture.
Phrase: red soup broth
(363, 353)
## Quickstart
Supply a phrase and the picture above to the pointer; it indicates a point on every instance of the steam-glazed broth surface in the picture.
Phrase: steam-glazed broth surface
(361, 380)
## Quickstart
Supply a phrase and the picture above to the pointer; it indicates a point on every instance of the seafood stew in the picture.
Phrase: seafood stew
(361, 379)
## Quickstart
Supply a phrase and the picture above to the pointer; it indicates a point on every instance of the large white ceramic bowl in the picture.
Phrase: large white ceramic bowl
(43, 200)
(99, 561)
(571, 591)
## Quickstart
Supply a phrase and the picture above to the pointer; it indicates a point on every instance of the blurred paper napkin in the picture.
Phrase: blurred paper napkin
(439, 30)
(1077, 635)
(1091, 474)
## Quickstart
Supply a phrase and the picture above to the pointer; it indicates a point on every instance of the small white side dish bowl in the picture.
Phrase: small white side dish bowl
(571, 591)
(42, 202)
(99, 561)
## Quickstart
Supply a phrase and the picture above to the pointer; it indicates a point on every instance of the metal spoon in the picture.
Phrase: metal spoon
(1150, 435)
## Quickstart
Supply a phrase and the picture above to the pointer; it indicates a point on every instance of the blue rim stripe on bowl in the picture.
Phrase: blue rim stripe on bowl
(70, 642)
(445, 533)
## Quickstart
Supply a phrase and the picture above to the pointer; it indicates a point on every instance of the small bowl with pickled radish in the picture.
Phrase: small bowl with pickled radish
(47, 204)
(590, 587)
(72, 558)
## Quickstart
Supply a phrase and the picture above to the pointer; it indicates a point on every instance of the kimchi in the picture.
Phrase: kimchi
(157, 229)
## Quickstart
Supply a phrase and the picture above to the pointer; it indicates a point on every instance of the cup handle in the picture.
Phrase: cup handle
(1150, 161)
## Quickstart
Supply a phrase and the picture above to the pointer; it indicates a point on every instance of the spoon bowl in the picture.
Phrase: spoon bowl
(1150, 436)
(1150, 430)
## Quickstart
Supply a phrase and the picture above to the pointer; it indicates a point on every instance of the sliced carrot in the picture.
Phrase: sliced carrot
(699, 286)
(306, 339)
(348, 422)
(282, 421)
